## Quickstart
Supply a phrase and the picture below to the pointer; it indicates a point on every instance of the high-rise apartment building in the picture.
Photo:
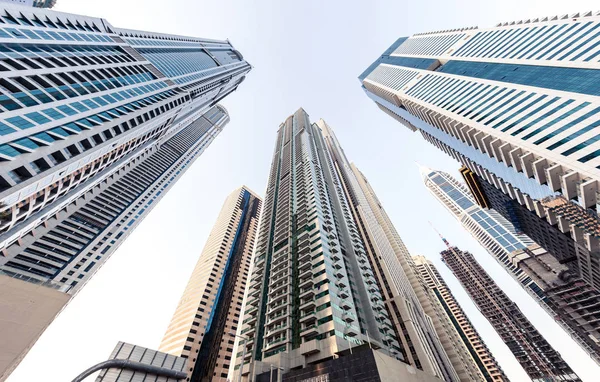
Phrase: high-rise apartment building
(537, 357)
(312, 292)
(536, 270)
(517, 104)
(328, 272)
(469, 336)
(96, 124)
(410, 303)
(203, 327)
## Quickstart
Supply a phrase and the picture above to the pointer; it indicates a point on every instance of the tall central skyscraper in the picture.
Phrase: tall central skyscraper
(541, 362)
(96, 124)
(331, 273)
(208, 315)
(517, 104)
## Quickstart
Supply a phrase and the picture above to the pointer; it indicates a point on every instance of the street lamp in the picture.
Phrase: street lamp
(271, 366)
(243, 355)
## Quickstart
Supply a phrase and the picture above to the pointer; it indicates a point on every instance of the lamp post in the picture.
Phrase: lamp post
(243, 354)
(279, 372)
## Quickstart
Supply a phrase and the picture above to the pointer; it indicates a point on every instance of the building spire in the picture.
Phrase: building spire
(440, 235)
(424, 170)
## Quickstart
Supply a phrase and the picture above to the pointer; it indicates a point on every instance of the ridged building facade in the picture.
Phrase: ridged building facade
(413, 309)
(517, 104)
(486, 362)
(97, 123)
(207, 317)
(538, 358)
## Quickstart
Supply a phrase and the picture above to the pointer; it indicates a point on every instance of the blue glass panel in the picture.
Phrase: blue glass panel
(37, 118)
(5, 130)
(576, 80)
(44, 137)
(376, 63)
(59, 131)
(53, 113)
(566, 127)
(26, 142)
(67, 110)
(20, 122)
(8, 151)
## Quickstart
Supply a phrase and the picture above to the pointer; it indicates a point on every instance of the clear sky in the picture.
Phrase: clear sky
(305, 53)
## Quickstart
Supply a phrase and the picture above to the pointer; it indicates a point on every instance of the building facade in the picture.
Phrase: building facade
(469, 336)
(516, 104)
(398, 278)
(313, 292)
(423, 335)
(97, 124)
(536, 270)
(203, 327)
(537, 357)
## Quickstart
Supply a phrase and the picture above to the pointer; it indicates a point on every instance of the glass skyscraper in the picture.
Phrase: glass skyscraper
(517, 104)
(96, 124)
(548, 281)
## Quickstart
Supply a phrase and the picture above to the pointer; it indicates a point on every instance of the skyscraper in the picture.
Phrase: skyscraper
(97, 124)
(536, 270)
(208, 315)
(468, 334)
(413, 309)
(312, 292)
(517, 104)
(537, 357)
(327, 275)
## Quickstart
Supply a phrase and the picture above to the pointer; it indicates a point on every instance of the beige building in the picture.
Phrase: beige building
(26, 310)
(407, 294)
(485, 360)
(208, 315)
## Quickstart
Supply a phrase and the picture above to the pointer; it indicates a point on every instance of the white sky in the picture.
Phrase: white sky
(305, 53)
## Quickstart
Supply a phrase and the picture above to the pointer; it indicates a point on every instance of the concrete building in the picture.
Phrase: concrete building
(537, 357)
(203, 327)
(517, 104)
(536, 270)
(413, 309)
(97, 124)
(469, 336)
(312, 292)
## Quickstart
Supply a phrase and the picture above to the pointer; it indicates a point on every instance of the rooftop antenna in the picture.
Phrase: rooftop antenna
(440, 235)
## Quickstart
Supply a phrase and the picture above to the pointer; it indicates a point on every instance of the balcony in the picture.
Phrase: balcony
(307, 304)
(309, 330)
(275, 342)
(276, 329)
(308, 316)
(307, 292)
(310, 347)
(305, 283)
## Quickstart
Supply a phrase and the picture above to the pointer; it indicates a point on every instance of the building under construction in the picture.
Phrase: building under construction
(537, 357)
